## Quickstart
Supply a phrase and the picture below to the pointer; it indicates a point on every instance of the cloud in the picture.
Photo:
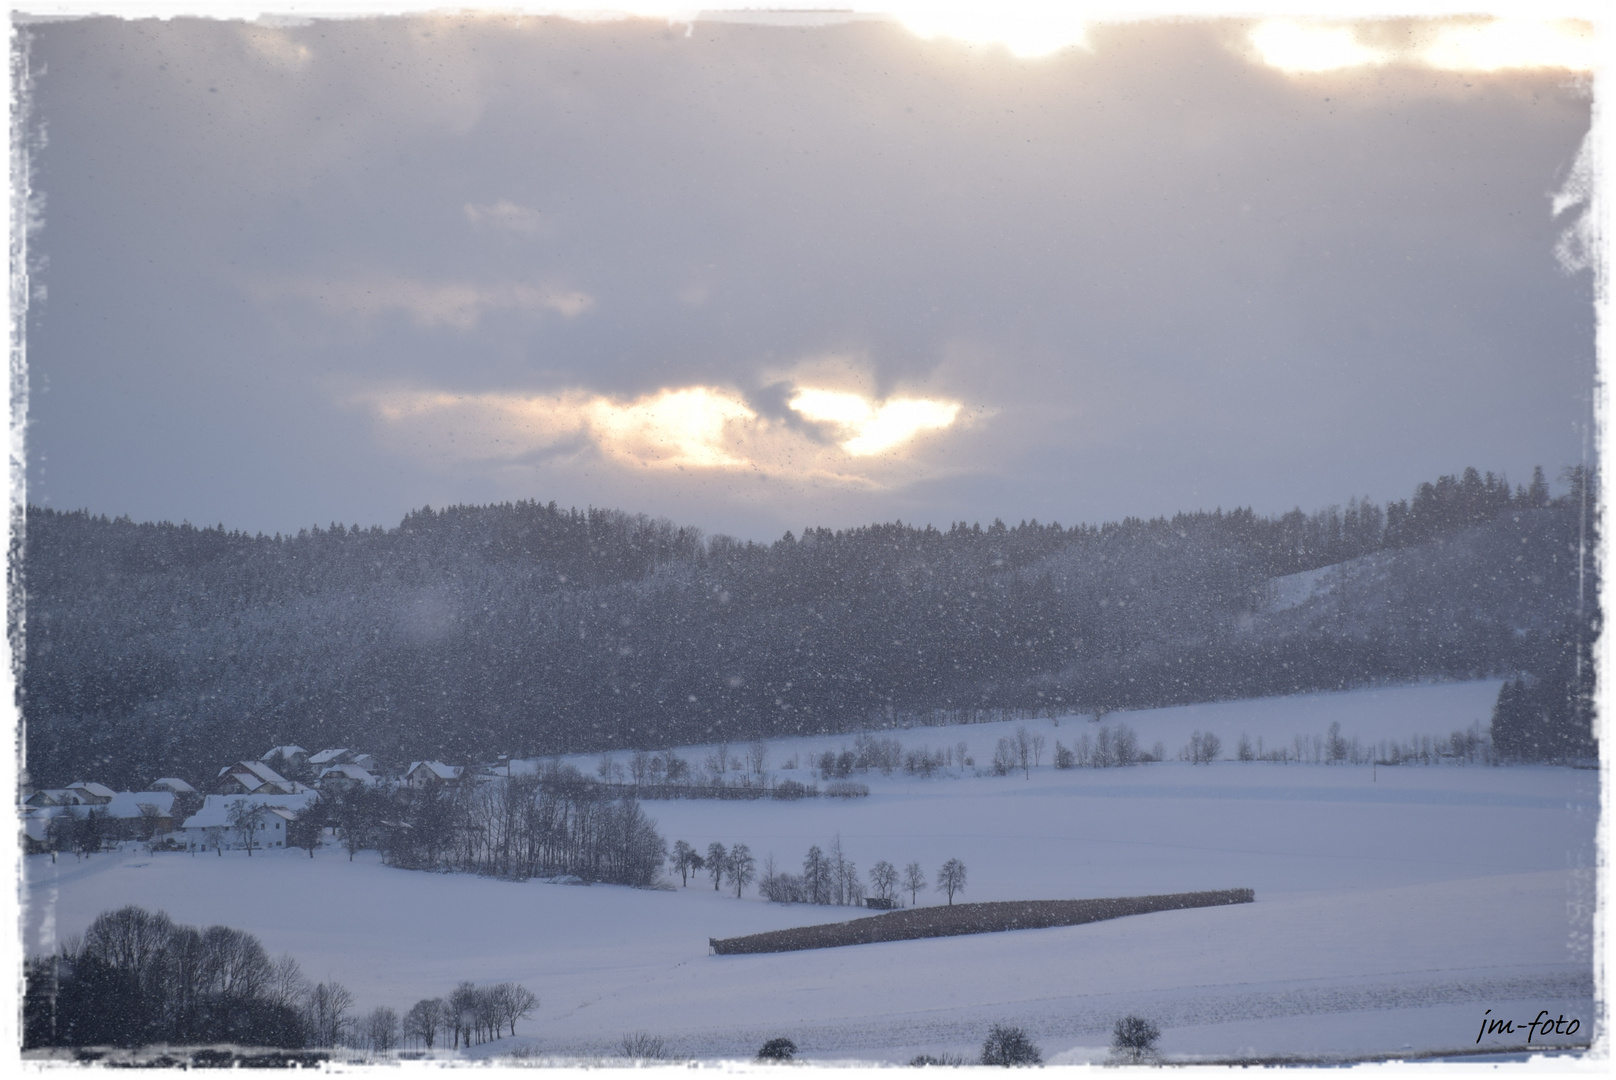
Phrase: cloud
(505, 216)
(1304, 47)
(690, 428)
(1025, 34)
(460, 305)
(1513, 43)
(1578, 245)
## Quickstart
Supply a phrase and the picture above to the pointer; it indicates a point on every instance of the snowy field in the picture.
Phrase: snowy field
(1394, 905)
(1397, 713)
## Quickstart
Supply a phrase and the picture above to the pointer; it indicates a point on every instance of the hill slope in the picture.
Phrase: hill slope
(526, 629)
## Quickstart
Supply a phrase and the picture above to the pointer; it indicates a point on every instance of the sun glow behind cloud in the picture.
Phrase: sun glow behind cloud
(1305, 47)
(686, 428)
(1027, 34)
(871, 430)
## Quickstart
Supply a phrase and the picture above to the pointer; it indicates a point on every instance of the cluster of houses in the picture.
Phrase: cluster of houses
(282, 784)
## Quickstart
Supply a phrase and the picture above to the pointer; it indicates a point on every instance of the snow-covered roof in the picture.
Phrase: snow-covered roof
(215, 812)
(326, 757)
(436, 768)
(127, 804)
(174, 784)
(264, 772)
(352, 772)
(288, 751)
(90, 787)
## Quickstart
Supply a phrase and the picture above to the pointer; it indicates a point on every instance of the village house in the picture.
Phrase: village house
(340, 778)
(426, 775)
(210, 828)
(91, 793)
(327, 758)
(248, 777)
(286, 759)
(129, 815)
(174, 784)
(53, 797)
(372, 764)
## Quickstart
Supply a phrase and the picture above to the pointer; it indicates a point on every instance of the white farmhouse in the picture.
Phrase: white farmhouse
(424, 775)
(210, 828)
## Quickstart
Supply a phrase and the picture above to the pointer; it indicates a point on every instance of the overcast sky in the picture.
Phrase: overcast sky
(757, 277)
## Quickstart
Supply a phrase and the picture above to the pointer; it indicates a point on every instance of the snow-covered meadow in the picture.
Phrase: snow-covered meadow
(1394, 905)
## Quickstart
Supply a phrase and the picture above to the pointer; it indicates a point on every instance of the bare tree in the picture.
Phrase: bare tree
(914, 879)
(848, 883)
(1038, 750)
(883, 880)
(129, 939)
(1203, 747)
(951, 878)
(815, 876)
(643, 1046)
(234, 964)
(485, 1013)
(717, 862)
(678, 768)
(380, 1029)
(757, 758)
(1023, 747)
(516, 1002)
(639, 766)
(425, 1019)
(327, 1014)
(1134, 1038)
(836, 863)
(246, 819)
(463, 1002)
(1009, 1046)
(149, 817)
(742, 868)
(287, 986)
(686, 859)
(1004, 756)
(303, 831)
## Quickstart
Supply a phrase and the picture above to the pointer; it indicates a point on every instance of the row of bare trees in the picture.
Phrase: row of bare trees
(1110, 748)
(470, 1014)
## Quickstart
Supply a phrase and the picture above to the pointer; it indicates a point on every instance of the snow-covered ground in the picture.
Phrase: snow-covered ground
(1393, 713)
(1394, 905)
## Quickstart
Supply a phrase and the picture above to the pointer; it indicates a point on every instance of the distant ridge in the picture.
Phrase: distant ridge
(525, 629)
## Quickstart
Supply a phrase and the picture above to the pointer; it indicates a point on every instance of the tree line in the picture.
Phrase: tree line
(136, 977)
(526, 629)
(549, 824)
(828, 877)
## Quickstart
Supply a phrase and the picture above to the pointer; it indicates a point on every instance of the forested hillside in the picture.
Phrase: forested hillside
(155, 649)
